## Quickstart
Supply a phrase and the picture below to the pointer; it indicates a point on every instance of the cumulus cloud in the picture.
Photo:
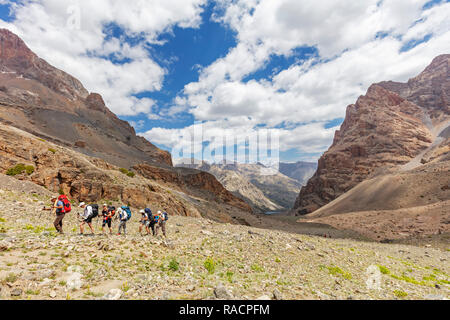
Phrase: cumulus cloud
(358, 44)
(76, 36)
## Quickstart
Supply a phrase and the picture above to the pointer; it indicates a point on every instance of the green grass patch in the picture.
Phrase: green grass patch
(383, 269)
(174, 265)
(32, 292)
(409, 280)
(255, 267)
(400, 294)
(19, 169)
(210, 265)
(336, 271)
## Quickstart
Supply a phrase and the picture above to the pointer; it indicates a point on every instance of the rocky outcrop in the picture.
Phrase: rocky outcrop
(381, 131)
(429, 90)
(62, 170)
(47, 102)
(394, 124)
(17, 58)
(192, 179)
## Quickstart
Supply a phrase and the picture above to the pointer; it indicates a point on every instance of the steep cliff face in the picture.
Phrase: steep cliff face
(429, 90)
(381, 131)
(393, 125)
(49, 103)
(16, 57)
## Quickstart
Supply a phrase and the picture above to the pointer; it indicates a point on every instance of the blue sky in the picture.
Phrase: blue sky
(234, 66)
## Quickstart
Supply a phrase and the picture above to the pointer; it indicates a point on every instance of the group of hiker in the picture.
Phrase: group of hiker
(123, 214)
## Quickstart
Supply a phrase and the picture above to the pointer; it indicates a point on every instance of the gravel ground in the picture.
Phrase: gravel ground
(201, 259)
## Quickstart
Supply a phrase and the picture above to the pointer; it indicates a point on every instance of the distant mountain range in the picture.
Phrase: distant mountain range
(265, 193)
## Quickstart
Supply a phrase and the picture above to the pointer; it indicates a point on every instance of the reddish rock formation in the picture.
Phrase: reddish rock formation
(16, 57)
(47, 102)
(429, 90)
(90, 179)
(382, 130)
(386, 128)
(191, 179)
(50, 104)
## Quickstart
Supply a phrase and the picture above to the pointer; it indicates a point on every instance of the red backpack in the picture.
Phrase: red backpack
(67, 205)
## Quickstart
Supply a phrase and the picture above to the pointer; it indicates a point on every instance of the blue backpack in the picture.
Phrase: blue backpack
(166, 216)
(149, 213)
(128, 211)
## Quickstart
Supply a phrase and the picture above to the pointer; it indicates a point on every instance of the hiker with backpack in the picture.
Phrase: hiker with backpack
(90, 212)
(124, 214)
(144, 222)
(61, 205)
(154, 220)
(161, 224)
(107, 215)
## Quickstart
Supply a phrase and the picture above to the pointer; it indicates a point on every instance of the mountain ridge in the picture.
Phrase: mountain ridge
(383, 130)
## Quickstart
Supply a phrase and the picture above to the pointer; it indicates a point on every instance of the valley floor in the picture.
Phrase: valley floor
(202, 259)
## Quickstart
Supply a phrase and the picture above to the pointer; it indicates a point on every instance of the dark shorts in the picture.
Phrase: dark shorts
(88, 220)
(107, 222)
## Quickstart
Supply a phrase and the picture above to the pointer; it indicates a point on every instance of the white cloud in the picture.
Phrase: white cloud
(50, 29)
(353, 55)
(301, 99)
(309, 138)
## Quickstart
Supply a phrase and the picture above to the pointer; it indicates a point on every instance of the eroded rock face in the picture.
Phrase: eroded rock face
(15, 56)
(60, 169)
(386, 128)
(47, 102)
(382, 130)
(190, 179)
(429, 90)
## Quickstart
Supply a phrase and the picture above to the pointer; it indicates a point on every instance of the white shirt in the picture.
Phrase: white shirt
(87, 212)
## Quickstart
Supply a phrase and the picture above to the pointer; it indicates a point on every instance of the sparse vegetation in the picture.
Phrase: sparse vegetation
(52, 150)
(19, 169)
(127, 172)
(11, 278)
(336, 271)
(383, 269)
(174, 265)
(210, 265)
(400, 294)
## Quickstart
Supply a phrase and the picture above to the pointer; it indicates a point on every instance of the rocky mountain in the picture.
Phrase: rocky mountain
(49, 103)
(265, 193)
(300, 171)
(393, 127)
(72, 143)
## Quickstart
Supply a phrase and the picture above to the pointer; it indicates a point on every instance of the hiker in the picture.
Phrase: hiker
(161, 224)
(144, 222)
(107, 214)
(90, 212)
(124, 214)
(61, 205)
(154, 220)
